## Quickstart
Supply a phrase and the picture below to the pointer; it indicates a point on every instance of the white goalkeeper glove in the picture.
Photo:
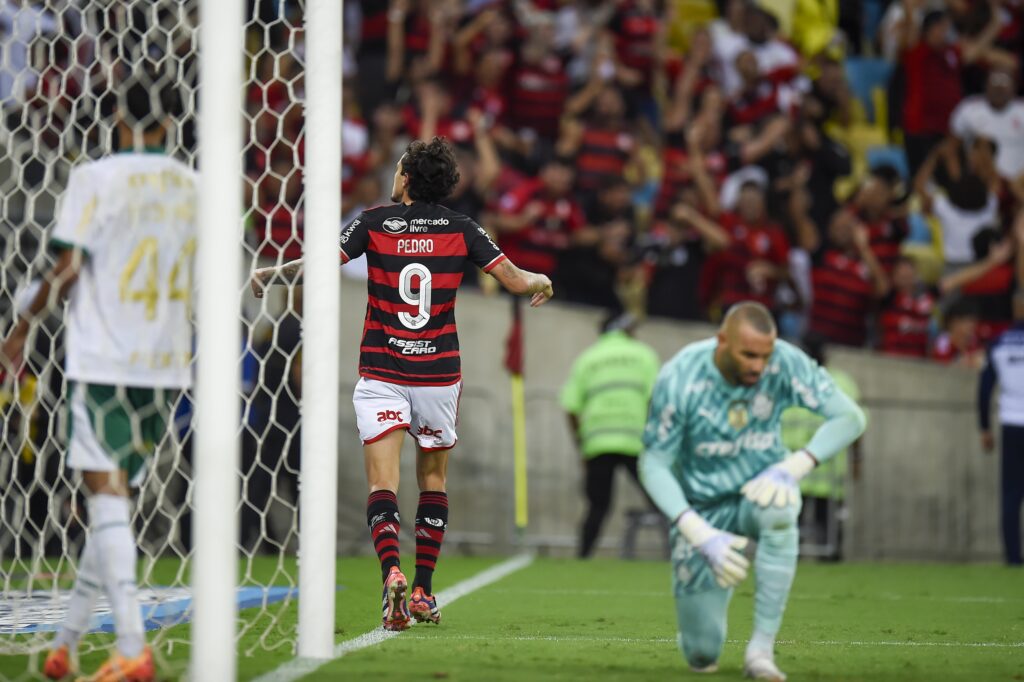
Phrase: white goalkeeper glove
(778, 484)
(722, 550)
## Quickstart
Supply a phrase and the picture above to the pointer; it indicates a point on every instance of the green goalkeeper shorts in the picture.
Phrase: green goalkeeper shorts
(113, 428)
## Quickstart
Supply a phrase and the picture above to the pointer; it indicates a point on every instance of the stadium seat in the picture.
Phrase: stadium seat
(868, 77)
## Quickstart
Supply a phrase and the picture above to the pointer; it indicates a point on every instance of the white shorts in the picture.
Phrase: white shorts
(429, 413)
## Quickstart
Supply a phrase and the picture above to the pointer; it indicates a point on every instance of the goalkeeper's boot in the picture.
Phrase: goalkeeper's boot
(424, 607)
(395, 609)
(762, 667)
(708, 669)
(121, 669)
(58, 663)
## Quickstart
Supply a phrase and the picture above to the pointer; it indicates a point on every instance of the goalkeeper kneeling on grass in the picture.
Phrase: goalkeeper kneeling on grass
(714, 464)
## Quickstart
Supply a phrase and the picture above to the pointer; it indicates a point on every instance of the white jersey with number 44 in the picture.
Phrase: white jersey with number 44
(134, 217)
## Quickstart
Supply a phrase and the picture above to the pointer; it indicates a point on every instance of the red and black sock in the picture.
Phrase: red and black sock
(383, 520)
(431, 523)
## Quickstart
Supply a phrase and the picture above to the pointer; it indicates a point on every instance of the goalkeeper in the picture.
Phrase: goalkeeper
(714, 464)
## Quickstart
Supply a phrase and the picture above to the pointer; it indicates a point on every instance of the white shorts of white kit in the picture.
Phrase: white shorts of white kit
(429, 413)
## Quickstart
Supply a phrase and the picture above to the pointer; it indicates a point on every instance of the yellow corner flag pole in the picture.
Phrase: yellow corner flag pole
(514, 364)
(519, 439)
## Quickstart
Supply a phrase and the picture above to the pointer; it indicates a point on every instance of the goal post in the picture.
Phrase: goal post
(217, 556)
(217, 408)
(318, 485)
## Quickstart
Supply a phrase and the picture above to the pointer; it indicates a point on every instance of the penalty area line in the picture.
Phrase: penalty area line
(300, 667)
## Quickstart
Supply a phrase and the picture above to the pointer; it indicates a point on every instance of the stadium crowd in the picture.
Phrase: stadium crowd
(672, 158)
(666, 157)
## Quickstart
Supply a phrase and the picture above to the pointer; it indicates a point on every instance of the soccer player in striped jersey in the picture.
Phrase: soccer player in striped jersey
(713, 462)
(410, 375)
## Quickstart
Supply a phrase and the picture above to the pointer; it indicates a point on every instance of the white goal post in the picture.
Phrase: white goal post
(217, 519)
(318, 482)
(219, 266)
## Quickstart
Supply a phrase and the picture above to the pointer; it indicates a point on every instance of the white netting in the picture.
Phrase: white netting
(61, 67)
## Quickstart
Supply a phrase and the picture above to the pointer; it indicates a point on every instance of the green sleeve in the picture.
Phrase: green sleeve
(663, 441)
(844, 423)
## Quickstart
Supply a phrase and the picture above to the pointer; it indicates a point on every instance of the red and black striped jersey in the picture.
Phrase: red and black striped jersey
(905, 321)
(842, 297)
(415, 256)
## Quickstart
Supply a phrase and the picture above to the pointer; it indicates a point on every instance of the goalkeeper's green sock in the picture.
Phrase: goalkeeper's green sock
(774, 568)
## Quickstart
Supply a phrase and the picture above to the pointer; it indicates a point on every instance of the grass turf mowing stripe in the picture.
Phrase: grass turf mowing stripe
(300, 667)
(672, 640)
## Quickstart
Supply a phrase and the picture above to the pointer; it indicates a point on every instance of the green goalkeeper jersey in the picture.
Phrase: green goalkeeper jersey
(705, 437)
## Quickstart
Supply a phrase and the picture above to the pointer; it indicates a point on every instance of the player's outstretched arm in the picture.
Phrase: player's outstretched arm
(288, 273)
(524, 283)
(52, 290)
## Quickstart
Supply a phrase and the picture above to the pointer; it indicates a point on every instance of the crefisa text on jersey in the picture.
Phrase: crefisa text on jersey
(410, 347)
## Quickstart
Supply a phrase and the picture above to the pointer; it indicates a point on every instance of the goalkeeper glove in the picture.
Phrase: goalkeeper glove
(722, 550)
(778, 483)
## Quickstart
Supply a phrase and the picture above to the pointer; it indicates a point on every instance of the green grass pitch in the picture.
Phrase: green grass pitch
(613, 620)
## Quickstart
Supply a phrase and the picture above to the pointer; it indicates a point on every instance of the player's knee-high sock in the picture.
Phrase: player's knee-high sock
(774, 566)
(702, 624)
(88, 586)
(431, 523)
(384, 522)
(110, 529)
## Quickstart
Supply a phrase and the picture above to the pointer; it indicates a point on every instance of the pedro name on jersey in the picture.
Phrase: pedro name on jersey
(415, 257)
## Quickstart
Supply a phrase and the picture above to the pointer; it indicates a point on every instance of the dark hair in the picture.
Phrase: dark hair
(983, 240)
(993, 145)
(931, 19)
(146, 100)
(969, 194)
(887, 173)
(617, 320)
(431, 169)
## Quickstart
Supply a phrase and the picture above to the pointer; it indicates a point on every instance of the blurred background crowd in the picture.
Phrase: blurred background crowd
(856, 166)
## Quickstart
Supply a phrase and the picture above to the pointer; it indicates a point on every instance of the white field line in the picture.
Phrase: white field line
(656, 594)
(300, 667)
(672, 640)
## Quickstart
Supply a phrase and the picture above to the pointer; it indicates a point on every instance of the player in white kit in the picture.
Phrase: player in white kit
(125, 238)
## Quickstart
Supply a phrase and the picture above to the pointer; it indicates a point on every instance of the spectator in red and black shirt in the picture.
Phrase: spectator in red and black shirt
(600, 139)
(672, 256)
(539, 87)
(758, 98)
(846, 278)
(537, 219)
(751, 254)
(636, 34)
(959, 343)
(872, 205)
(933, 66)
(906, 315)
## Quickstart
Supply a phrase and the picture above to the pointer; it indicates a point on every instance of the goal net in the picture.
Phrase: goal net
(63, 62)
